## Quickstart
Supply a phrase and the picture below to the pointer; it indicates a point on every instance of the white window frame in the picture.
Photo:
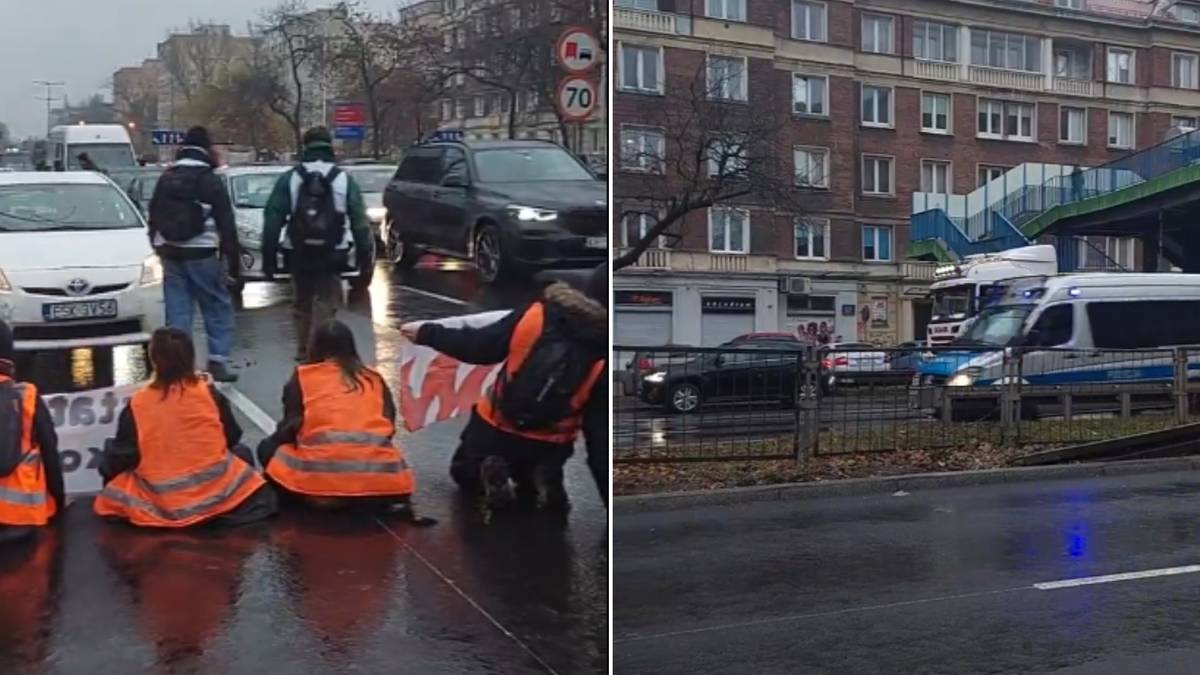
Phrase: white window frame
(1003, 135)
(1112, 247)
(876, 33)
(734, 168)
(980, 168)
(811, 223)
(1132, 130)
(934, 164)
(891, 106)
(639, 87)
(989, 36)
(1188, 122)
(1065, 139)
(745, 230)
(808, 6)
(809, 150)
(808, 90)
(942, 29)
(891, 160)
(644, 224)
(1111, 69)
(645, 156)
(447, 111)
(1194, 68)
(724, 14)
(1192, 11)
(891, 242)
(741, 94)
(949, 130)
(1069, 4)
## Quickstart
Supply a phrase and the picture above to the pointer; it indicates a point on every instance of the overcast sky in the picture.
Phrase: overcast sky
(81, 42)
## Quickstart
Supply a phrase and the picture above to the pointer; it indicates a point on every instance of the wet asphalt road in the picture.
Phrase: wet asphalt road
(523, 593)
(940, 581)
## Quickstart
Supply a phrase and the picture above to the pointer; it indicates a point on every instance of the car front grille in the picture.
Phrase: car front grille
(50, 331)
(590, 222)
(62, 292)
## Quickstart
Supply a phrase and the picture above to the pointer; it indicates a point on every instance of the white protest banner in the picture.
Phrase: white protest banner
(435, 387)
(84, 421)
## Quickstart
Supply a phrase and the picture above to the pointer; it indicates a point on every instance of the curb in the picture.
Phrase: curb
(854, 487)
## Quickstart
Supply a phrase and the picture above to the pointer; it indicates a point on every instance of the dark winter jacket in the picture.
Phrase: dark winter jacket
(588, 322)
(192, 177)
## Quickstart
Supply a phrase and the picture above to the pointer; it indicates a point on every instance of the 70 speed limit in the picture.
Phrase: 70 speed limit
(576, 98)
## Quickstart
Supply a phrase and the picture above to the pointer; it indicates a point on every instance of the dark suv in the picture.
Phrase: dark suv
(510, 207)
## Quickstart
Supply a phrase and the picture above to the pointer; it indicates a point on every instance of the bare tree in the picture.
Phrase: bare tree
(368, 52)
(292, 35)
(712, 151)
(406, 98)
(239, 108)
(195, 59)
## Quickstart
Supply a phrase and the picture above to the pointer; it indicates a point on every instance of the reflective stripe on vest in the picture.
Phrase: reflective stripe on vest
(31, 457)
(354, 437)
(199, 478)
(244, 476)
(22, 498)
(340, 466)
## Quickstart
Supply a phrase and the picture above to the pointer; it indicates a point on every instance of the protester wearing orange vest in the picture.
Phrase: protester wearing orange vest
(334, 444)
(176, 461)
(31, 479)
(564, 335)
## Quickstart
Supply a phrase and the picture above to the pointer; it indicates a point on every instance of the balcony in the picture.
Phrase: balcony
(652, 259)
(665, 23)
(1074, 86)
(917, 271)
(937, 70)
(1009, 79)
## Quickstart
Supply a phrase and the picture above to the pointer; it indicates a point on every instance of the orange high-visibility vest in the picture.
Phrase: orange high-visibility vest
(23, 496)
(344, 446)
(186, 474)
(524, 337)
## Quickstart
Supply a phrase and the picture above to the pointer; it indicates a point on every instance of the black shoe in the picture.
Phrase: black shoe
(497, 491)
(220, 372)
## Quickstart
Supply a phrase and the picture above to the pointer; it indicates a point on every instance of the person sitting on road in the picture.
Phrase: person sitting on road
(334, 445)
(31, 477)
(553, 352)
(176, 461)
(312, 203)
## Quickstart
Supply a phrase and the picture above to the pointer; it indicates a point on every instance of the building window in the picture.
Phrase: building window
(1069, 4)
(1120, 65)
(811, 238)
(644, 5)
(810, 95)
(1187, 13)
(987, 174)
(808, 20)
(877, 175)
(729, 230)
(642, 149)
(460, 109)
(641, 69)
(447, 110)
(1120, 130)
(635, 226)
(1005, 50)
(1184, 123)
(1072, 62)
(935, 41)
(935, 113)
(1106, 253)
(1183, 71)
(877, 34)
(480, 106)
(1072, 125)
(730, 10)
(1005, 120)
(876, 106)
(877, 243)
(727, 77)
(812, 167)
(935, 177)
(727, 157)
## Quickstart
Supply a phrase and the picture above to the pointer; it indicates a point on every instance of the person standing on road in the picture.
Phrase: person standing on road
(31, 477)
(554, 354)
(312, 204)
(192, 229)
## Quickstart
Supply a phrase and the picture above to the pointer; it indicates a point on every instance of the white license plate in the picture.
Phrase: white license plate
(597, 242)
(73, 311)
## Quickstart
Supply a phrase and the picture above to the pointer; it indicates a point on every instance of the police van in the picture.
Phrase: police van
(1077, 329)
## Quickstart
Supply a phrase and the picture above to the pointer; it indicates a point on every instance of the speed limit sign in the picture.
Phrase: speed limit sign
(576, 98)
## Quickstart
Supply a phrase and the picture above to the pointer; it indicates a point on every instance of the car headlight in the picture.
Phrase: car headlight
(655, 378)
(531, 214)
(152, 271)
(963, 378)
(377, 213)
(4, 285)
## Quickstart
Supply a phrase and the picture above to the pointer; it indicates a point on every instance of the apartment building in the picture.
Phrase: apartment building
(889, 99)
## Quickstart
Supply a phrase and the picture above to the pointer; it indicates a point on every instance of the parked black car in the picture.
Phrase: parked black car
(755, 372)
(511, 207)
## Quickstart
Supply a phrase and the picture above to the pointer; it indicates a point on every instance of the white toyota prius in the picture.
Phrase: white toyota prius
(76, 267)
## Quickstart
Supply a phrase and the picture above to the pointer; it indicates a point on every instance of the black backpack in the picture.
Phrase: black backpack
(539, 394)
(177, 214)
(11, 420)
(315, 221)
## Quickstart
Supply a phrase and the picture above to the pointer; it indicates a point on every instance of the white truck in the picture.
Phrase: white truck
(961, 290)
(108, 145)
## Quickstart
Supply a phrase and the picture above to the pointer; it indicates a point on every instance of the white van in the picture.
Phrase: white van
(1079, 329)
(107, 145)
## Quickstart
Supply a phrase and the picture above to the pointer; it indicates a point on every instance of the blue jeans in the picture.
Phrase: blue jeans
(190, 282)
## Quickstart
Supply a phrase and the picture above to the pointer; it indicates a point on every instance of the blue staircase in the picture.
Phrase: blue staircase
(934, 226)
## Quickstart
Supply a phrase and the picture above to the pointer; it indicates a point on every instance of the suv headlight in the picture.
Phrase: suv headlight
(377, 213)
(4, 285)
(964, 378)
(655, 378)
(531, 214)
(152, 271)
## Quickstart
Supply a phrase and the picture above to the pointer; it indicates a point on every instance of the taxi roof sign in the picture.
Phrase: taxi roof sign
(447, 136)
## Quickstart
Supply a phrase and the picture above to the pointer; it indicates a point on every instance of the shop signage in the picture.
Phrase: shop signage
(726, 305)
(644, 298)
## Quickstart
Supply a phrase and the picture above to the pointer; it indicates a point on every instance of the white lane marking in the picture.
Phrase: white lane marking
(435, 296)
(1124, 576)
(471, 601)
(249, 408)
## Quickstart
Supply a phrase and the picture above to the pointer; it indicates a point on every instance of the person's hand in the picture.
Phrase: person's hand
(409, 331)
